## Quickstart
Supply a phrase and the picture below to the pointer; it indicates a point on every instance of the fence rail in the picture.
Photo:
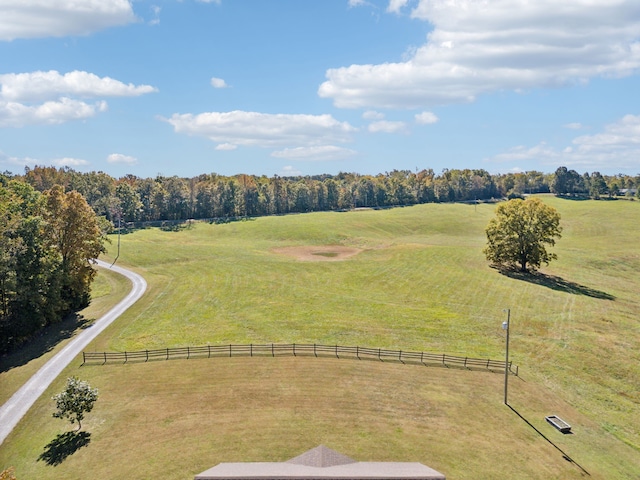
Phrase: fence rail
(297, 349)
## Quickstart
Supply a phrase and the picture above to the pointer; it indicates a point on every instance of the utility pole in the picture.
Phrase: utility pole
(505, 326)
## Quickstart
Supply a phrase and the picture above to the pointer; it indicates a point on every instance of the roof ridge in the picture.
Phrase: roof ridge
(321, 456)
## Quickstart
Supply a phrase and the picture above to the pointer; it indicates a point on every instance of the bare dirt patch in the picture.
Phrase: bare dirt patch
(321, 253)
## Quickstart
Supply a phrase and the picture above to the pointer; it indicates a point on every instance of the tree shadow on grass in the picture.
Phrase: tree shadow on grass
(63, 446)
(44, 341)
(556, 283)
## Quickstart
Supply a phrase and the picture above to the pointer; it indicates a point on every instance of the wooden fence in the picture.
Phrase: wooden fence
(296, 349)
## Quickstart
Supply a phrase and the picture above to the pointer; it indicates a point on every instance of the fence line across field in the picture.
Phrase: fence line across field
(296, 349)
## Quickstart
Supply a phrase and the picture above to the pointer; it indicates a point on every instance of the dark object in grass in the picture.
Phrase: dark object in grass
(64, 445)
(558, 423)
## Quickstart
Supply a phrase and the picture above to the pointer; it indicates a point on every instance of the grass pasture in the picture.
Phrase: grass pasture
(420, 282)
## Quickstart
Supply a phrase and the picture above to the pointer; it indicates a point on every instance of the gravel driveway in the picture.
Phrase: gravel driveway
(18, 405)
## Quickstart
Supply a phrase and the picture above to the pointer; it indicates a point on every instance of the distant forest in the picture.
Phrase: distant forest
(135, 199)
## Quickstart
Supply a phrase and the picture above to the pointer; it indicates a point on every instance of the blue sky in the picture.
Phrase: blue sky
(303, 87)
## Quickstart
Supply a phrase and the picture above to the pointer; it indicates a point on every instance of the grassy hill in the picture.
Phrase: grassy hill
(419, 282)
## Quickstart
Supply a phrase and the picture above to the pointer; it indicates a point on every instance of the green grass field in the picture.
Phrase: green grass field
(420, 283)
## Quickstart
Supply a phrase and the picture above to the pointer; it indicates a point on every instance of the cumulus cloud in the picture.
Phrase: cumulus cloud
(28, 161)
(574, 126)
(13, 114)
(616, 147)
(47, 98)
(69, 162)
(314, 154)
(41, 18)
(426, 118)
(263, 129)
(120, 158)
(481, 47)
(226, 147)
(9, 160)
(218, 83)
(36, 86)
(396, 5)
(372, 115)
(386, 126)
(290, 171)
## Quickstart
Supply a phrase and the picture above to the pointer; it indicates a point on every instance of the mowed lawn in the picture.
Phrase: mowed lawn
(419, 283)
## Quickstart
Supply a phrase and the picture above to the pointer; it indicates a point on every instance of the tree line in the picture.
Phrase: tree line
(134, 199)
(46, 243)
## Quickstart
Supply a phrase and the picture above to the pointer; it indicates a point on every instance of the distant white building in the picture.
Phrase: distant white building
(321, 463)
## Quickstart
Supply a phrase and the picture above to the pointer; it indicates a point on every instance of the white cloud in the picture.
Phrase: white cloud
(290, 171)
(314, 154)
(263, 129)
(396, 5)
(8, 160)
(156, 15)
(37, 86)
(218, 83)
(120, 158)
(386, 126)
(59, 18)
(28, 161)
(48, 97)
(226, 147)
(574, 126)
(13, 114)
(426, 118)
(357, 3)
(372, 115)
(624, 133)
(522, 153)
(616, 147)
(69, 162)
(480, 47)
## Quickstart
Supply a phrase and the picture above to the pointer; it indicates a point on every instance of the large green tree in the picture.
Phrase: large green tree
(74, 231)
(519, 234)
(47, 243)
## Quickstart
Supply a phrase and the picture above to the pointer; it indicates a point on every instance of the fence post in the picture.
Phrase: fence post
(125, 356)
(188, 353)
(272, 352)
(105, 357)
(167, 354)
(443, 359)
(379, 355)
(147, 359)
(83, 358)
(209, 350)
(314, 350)
(251, 349)
(422, 357)
(294, 349)
(337, 352)
(229, 350)
(358, 352)
(400, 356)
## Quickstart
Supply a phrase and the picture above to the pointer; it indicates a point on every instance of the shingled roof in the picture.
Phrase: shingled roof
(321, 463)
